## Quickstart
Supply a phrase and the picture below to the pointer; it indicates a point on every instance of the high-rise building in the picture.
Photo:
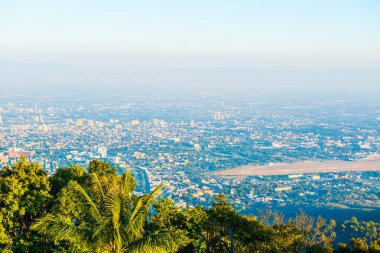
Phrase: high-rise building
(79, 123)
(1, 120)
(40, 120)
(218, 116)
(90, 123)
(102, 151)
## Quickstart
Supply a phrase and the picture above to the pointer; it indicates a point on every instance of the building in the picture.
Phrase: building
(139, 155)
(283, 189)
(17, 153)
(218, 116)
(102, 151)
(4, 158)
(90, 123)
(79, 123)
(135, 122)
(197, 147)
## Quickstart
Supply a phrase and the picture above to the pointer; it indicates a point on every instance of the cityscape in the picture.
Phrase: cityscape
(182, 141)
(246, 126)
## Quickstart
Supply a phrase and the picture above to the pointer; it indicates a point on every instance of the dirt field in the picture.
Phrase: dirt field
(302, 168)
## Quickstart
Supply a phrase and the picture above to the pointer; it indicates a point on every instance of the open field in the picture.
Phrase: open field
(302, 168)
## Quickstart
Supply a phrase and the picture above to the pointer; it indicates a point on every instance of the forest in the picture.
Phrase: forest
(95, 209)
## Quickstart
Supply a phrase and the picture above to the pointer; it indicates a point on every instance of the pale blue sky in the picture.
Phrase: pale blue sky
(113, 37)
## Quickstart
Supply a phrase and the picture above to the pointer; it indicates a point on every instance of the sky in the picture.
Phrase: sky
(205, 45)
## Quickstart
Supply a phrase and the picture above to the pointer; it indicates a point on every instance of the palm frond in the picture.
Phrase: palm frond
(8, 248)
(140, 213)
(113, 204)
(160, 242)
(145, 202)
(62, 228)
(107, 219)
(87, 201)
(98, 189)
(127, 183)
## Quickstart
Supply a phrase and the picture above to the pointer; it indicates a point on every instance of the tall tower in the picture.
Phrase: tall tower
(103, 152)
(40, 120)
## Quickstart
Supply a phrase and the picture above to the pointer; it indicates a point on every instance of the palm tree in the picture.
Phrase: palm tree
(107, 219)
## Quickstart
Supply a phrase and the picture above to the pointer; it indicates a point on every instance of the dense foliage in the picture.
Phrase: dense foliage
(96, 210)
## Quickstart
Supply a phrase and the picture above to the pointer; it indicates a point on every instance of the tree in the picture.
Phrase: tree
(285, 238)
(374, 246)
(101, 168)
(317, 233)
(196, 220)
(186, 224)
(24, 197)
(99, 212)
(64, 175)
(321, 248)
(108, 218)
(252, 236)
(367, 230)
(358, 245)
(342, 248)
(221, 225)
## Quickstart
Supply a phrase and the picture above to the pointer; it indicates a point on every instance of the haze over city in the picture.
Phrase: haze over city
(259, 46)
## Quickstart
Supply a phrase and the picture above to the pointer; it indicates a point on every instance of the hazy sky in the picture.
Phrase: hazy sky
(198, 44)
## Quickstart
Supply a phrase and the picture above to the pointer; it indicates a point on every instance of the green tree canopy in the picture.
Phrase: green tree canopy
(101, 168)
(24, 197)
(64, 175)
(107, 218)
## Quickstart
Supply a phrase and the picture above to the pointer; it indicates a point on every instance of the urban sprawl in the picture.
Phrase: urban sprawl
(181, 141)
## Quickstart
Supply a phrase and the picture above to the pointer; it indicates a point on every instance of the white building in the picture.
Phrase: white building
(102, 151)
